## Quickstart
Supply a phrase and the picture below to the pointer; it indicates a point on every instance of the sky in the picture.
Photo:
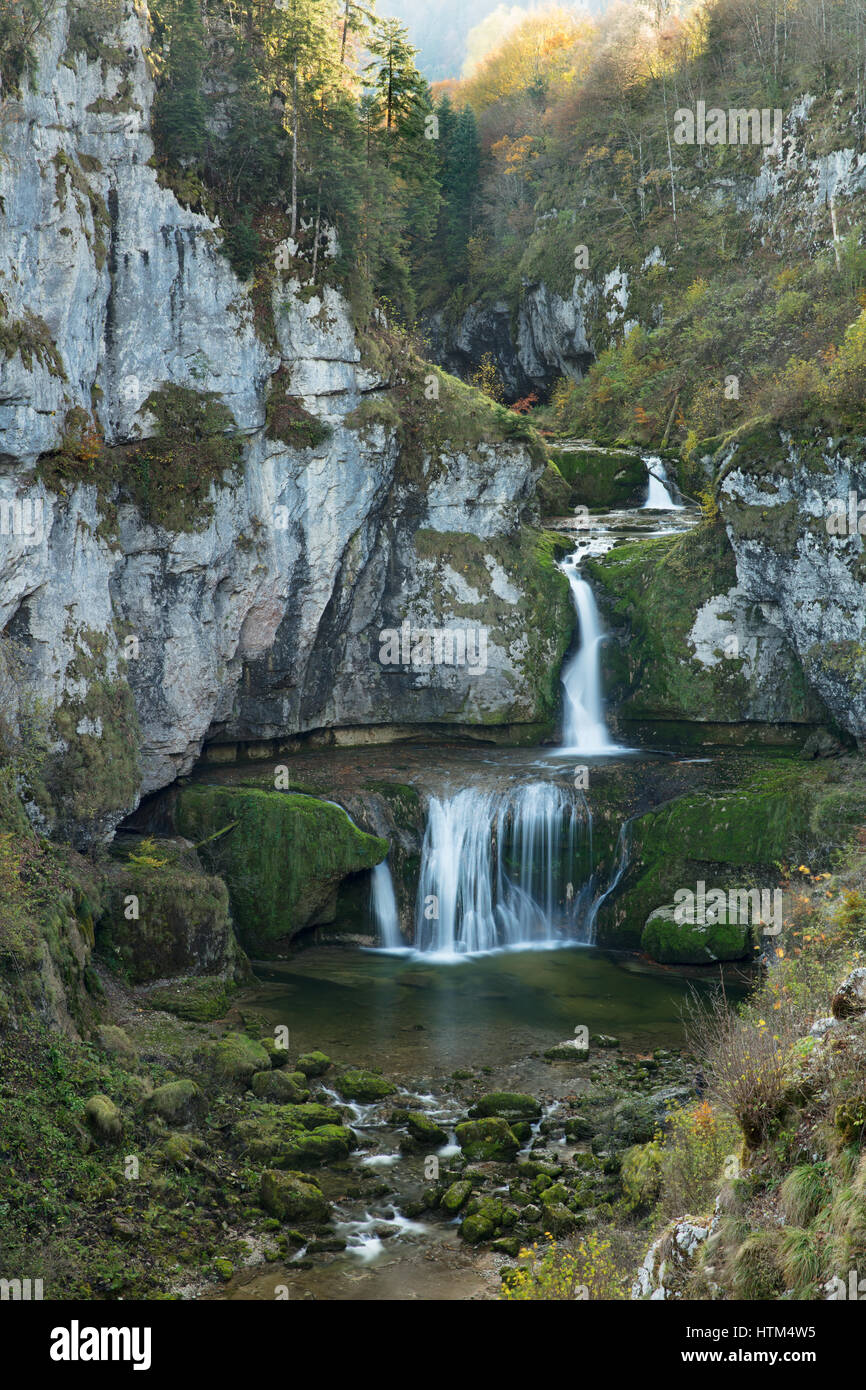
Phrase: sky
(449, 34)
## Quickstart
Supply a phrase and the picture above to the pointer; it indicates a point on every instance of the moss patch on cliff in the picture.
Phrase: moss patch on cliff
(194, 447)
(31, 337)
(282, 855)
(287, 420)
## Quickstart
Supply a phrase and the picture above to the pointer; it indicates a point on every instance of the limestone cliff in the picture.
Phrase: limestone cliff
(249, 604)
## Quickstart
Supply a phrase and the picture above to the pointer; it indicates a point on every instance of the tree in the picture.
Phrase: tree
(179, 110)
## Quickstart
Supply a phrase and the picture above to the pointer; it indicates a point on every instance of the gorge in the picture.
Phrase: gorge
(374, 963)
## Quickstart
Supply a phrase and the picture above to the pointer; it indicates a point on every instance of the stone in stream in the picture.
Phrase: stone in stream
(508, 1105)
(424, 1131)
(570, 1050)
(454, 1197)
(363, 1086)
(487, 1140)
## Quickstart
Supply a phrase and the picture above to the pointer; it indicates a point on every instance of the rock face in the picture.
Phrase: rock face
(260, 616)
(786, 507)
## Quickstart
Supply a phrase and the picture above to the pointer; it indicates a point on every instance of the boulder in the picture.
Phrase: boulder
(293, 1197)
(850, 997)
(490, 1139)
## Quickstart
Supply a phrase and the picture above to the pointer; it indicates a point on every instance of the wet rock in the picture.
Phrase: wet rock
(454, 1197)
(570, 1050)
(491, 1138)
(508, 1105)
(673, 942)
(578, 1128)
(425, 1132)
(279, 1055)
(362, 1086)
(604, 1040)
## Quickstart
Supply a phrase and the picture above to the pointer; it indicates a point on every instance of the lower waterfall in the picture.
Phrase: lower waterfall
(505, 869)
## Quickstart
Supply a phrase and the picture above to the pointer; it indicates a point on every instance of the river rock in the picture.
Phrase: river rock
(281, 1087)
(487, 1139)
(672, 942)
(363, 1086)
(293, 1197)
(508, 1105)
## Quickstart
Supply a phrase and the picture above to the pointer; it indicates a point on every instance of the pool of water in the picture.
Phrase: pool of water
(413, 1019)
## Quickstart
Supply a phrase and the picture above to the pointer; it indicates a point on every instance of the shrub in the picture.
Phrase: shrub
(581, 1269)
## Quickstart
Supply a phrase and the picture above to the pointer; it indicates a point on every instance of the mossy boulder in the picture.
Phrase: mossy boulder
(104, 1120)
(280, 1087)
(116, 1042)
(487, 1140)
(607, 478)
(293, 1197)
(454, 1197)
(327, 1144)
(363, 1086)
(177, 1102)
(200, 1000)
(508, 1105)
(485, 1218)
(277, 1134)
(578, 1128)
(279, 1055)
(672, 942)
(237, 1058)
(163, 920)
(313, 1064)
(424, 1131)
(283, 856)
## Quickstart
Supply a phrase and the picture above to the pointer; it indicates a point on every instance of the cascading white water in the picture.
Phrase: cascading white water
(659, 497)
(383, 908)
(584, 729)
(498, 871)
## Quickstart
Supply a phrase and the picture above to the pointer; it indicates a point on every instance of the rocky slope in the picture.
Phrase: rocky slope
(254, 610)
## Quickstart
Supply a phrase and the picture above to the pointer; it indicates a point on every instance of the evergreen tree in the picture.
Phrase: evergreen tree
(179, 110)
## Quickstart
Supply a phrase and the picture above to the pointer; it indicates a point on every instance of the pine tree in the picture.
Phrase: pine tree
(179, 110)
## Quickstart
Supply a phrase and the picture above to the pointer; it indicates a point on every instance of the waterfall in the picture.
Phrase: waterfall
(499, 869)
(584, 729)
(659, 497)
(383, 908)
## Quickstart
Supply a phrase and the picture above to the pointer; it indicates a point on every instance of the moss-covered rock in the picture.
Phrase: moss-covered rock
(177, 1102)
(237, 1058)
(163, 920)
(363, 1086)
(104, 1120)
(201, 1000)
(116, 1042)
(488, 1139)
(454, 1197)
(673, 942)
(313, 1064)
(280, 1087)
(293, 1197)
(282, 855)
(605, 478)
(508, 1105)
(424, 1131)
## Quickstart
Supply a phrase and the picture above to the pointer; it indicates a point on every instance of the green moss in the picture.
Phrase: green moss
(169, 921)
(668, 941)
(487, 1139)
(363, 1086)
(177, 1102)
(194, 447)
(283, 856)
(608, 478)
(286, 418)
(199, 999)
(32, 339)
